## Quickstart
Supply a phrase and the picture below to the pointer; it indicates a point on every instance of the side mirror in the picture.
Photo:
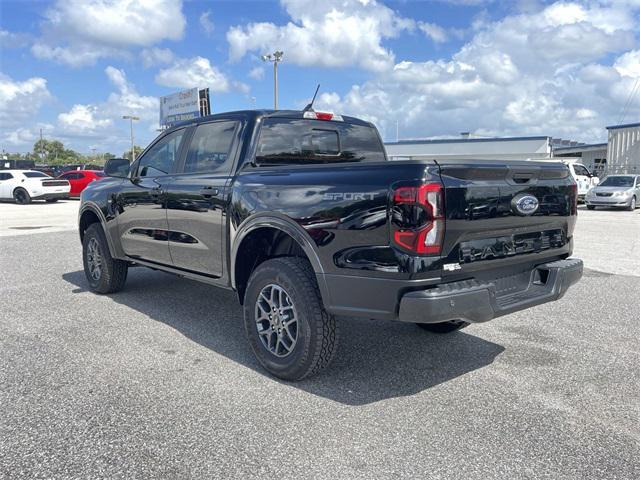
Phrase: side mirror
(117, 167)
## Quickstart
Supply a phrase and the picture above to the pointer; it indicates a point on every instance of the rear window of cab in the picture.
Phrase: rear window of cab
(286, 141)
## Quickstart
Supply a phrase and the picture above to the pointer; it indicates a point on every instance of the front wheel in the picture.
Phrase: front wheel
(289, 331)
(632, 204)
(443, 327)
(104, 273)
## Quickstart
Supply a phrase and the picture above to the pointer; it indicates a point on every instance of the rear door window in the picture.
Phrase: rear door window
(301, 141)
(210, 148)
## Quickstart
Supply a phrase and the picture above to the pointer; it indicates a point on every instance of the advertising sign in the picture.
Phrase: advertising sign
(179, 107)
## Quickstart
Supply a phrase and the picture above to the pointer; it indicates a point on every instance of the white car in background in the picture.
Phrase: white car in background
(583, 177)
(22, 186)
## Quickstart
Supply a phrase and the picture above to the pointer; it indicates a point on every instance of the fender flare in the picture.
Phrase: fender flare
(279, 222)
(95, 209)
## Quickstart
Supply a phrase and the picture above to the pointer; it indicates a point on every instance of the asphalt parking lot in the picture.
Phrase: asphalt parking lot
(158, 382)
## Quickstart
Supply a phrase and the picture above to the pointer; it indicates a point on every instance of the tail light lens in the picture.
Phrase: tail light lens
(418, 218)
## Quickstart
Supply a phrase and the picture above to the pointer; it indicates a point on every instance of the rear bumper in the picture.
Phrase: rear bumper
(475, 301)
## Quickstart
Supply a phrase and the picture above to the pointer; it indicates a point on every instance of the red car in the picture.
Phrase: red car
(79, 179)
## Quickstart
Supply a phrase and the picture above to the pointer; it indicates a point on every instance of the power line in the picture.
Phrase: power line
(629, 101)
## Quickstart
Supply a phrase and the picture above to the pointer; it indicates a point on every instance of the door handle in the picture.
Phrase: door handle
(209, 192)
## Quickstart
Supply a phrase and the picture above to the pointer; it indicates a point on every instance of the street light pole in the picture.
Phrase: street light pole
(275, 57)
(131, 118)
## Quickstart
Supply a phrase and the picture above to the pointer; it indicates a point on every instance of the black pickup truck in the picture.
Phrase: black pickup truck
(303, 216)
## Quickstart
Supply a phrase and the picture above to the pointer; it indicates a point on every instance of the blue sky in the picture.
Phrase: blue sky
(436, 68)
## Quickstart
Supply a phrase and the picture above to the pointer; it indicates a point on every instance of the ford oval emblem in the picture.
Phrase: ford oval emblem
(525, 204)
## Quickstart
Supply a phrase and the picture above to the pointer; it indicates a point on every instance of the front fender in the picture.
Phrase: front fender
(109, 226)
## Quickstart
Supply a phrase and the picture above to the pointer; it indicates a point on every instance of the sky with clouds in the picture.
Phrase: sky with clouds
(433, 68)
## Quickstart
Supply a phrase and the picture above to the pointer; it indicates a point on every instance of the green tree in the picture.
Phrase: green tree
(136, 149)
(54, 153)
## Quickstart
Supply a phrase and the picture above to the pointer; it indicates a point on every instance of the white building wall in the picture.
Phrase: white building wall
(503, 148)
(623, 152)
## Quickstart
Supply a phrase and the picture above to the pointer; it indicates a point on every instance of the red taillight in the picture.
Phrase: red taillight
(421, 231)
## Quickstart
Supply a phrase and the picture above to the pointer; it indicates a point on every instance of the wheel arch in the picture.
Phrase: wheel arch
(89, 215)
(269, 236)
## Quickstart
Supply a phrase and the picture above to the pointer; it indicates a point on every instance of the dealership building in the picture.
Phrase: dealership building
(621, 154)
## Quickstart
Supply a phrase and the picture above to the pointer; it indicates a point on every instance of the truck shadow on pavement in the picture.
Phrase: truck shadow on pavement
(376, 360)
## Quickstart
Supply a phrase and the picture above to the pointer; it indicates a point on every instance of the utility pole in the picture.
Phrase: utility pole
(131, 118)
(275, 57)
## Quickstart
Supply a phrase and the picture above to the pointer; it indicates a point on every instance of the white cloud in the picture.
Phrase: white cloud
(628, 64)
(78, 32)
(193, 72)
(434, 32)
(257, 73)
(331, 33)
(101, 123)
(13, 39)
(83, 120)
(156, 56)
(547, 72)
(20, 101)
(206, 23)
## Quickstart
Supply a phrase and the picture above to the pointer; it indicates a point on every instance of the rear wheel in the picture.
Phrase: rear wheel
(289, 331)
(21, 196)
(591, 207)
(444, 327)
(104, 273)
(632, 204)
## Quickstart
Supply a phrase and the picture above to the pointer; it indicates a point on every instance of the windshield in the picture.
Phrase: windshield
(617, 182)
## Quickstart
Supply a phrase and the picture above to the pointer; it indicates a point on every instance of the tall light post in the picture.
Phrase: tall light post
(275, 57)
(131, 118)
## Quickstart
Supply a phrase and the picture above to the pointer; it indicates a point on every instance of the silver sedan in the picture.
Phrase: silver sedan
(615, 191)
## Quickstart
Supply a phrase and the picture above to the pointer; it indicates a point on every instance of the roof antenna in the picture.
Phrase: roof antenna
(310, 106)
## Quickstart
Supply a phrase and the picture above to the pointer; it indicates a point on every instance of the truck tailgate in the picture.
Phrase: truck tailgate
(505, 214)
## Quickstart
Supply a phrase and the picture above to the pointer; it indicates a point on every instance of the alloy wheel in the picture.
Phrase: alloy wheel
(21, 197)
(94, 259)
(276, 320)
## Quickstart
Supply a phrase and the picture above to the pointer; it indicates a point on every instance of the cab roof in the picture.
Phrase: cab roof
(264, 113)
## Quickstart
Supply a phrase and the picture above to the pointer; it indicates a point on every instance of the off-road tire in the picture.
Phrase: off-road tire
(444, 327)
(113, 273)
(317, 337)
(21, 196)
